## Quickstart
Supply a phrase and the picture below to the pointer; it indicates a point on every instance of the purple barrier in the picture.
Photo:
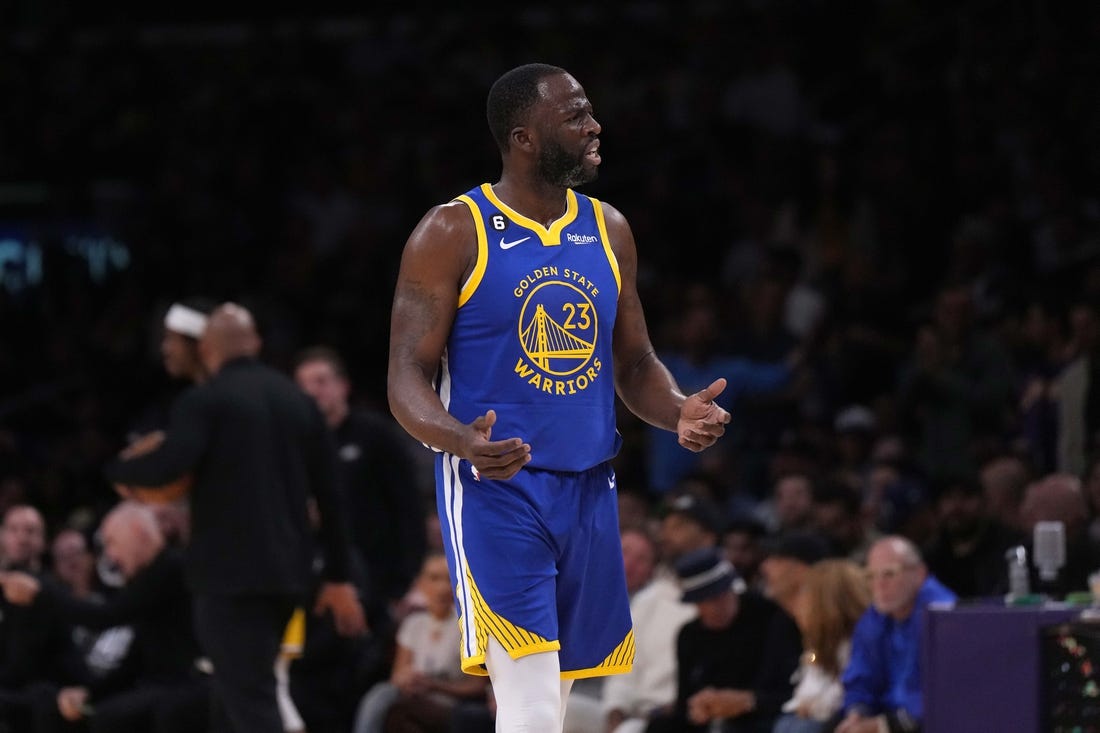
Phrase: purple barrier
(981, 667)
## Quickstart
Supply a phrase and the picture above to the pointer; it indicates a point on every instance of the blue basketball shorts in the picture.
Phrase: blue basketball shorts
(536, 562)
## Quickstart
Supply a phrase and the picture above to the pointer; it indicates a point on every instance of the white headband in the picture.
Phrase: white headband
(184, 320)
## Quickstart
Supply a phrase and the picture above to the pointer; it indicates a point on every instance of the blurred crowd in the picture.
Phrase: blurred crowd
(879, 219)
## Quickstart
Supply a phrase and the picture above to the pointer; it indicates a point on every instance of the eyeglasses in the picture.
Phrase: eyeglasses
(888, 573)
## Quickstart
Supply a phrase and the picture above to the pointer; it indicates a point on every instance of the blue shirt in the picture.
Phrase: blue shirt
(883, 674)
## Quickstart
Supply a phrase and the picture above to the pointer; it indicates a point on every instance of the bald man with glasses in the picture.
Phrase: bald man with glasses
(882, 683)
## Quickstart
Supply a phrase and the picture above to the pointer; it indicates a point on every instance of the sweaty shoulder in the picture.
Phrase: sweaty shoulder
(446, 236)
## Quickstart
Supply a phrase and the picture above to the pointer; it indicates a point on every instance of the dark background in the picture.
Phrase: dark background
(281, 156)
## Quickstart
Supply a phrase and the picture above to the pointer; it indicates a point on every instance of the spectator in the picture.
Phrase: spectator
(1058, 498)
(635, 508)
(1004, 478)
(882, 682)
(73, 564)
(159, 689)
(833, 598)
(588, 704)
(427, 680)
(1041, 355)
(36, 646)
(838, 516)
(895, 500)
(856, 429)
(743, 543)
(957, 389)
(792, 503)
(22, 539)
(735, 660)
(74, 571)
(655, 606)
(788, 560)
(689, 523)
(967, 551)
(640, 557)
(381, 481)
(1078, 405)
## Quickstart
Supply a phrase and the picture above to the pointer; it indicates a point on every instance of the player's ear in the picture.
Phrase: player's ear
(520, 138)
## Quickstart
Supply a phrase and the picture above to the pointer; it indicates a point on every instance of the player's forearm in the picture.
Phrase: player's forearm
(649, 390)
(158, 468)
(418, 410)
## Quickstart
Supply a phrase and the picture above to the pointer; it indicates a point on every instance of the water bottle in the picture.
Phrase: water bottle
(1018, 584)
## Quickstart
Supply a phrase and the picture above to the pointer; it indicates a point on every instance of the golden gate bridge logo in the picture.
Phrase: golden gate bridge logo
(557, 328)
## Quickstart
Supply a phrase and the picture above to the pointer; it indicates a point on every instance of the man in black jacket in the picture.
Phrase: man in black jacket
(257, 448)
(384, 489)
(384, 483)
(735, 661)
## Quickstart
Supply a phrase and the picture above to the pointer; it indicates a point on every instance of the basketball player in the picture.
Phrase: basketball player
(516, 318)
(184, 324)
(182, 327)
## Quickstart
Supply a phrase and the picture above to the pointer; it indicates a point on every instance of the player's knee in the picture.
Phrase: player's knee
(531, 715)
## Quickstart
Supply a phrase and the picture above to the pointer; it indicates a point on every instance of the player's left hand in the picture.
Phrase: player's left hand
(702, 421)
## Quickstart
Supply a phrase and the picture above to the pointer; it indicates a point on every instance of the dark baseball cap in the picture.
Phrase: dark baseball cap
(702, 511)
(704, 574)
(804, 546)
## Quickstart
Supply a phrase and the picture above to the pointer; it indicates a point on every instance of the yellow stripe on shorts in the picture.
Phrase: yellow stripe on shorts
(294, 636)
(619, 661)
(518, 642)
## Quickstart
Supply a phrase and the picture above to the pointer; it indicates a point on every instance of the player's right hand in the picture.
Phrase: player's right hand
(495, 459)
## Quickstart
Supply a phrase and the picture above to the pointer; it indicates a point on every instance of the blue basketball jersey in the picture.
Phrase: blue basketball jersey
(533, 330)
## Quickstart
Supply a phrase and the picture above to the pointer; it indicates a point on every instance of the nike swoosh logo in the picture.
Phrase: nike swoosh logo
(611, 482)
(509, 245)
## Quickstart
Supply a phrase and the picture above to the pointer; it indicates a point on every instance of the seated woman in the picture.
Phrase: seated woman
(831, 602)
(427, 680)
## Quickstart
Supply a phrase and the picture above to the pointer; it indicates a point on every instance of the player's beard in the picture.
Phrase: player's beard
(561, 168)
